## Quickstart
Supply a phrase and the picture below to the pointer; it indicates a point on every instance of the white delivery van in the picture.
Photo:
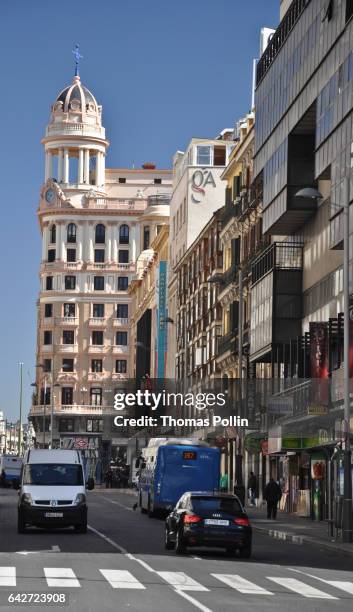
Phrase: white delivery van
(10, 469)
(53, 490)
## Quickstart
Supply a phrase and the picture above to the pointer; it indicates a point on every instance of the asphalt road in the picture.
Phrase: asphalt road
(121, 564)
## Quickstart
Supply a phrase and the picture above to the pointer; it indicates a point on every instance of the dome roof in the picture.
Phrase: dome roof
(77, 98)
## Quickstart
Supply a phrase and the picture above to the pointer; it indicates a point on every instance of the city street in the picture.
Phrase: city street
(121, 563)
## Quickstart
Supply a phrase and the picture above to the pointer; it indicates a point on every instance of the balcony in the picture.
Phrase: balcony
(279, 38)
(227, 343)
(97, 322)
(97, 349)
(67, 377)
(119, 376)
(76, 129)
(47, 348)
(278, 256)
(120, 322)
(121, 204)
(66, 321)
(121, 348)
(48, 321)
(231, 211)
(96, 376)
(70, 409)
(67, 348)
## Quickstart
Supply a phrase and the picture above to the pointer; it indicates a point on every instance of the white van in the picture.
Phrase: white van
(53, 491)
(10, 469)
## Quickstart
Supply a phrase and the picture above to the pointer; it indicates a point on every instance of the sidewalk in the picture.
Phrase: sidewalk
(297, 530)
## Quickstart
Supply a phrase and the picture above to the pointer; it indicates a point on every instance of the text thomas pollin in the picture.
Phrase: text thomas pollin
(153, 401)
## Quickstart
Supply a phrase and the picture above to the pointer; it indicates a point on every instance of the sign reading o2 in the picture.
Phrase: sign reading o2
(199, 180)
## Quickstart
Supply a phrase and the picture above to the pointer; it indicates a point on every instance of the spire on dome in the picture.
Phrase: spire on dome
(77, 56)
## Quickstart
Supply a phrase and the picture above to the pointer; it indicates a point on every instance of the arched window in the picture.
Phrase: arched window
(100, 234)
(53, 234)
(71, 232)
(124, 234)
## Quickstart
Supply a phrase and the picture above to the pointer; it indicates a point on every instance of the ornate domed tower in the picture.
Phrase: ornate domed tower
(75, 144)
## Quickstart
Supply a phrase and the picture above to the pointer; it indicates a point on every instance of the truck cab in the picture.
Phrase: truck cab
(53, 490)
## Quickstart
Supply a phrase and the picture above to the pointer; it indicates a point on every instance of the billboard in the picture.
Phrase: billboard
(161, 319)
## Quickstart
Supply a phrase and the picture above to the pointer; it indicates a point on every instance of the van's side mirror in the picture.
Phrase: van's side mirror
(169, 509)
(16, 485)
(143, 465)
(90, 484)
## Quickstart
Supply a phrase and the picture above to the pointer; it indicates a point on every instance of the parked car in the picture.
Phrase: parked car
(53, 490)
(209, 519)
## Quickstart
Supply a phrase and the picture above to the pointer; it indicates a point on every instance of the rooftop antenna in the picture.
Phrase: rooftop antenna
(77, 56)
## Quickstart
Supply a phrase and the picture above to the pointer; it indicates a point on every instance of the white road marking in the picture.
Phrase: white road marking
(301, 588)
(193, 601)
(181, 582)
(241, 584)
(111, 542)
(60, 577)
(141, 562)
(54, 548)
(343, 585)
(121, 579)
(7, 576)
(112, 501)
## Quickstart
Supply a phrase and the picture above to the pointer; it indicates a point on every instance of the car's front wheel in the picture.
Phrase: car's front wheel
(167, 543)
(81, 528)
(21, 523)
(180, 547)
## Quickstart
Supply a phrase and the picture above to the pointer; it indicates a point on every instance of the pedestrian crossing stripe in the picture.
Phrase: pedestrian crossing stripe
(241, 584)
(7, 576)
(61, 577)
(341, 584)
(301, 587)
(181, 581)
(121, 579)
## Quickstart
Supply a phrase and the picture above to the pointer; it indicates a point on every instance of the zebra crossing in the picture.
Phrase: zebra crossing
(65, 577)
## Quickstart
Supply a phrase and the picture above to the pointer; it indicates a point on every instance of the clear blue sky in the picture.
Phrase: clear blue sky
(163, 70)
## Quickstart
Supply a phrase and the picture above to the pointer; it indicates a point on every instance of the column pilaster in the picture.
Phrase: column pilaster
(60, 166)
(80, 166)
(66, 166)
(86, 167)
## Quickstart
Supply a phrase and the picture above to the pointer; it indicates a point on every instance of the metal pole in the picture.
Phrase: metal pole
(239, 462)
(347, 497)
(44, 404)
(51, 412)
(20, 423)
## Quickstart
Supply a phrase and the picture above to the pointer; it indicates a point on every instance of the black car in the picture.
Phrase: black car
(209, 519)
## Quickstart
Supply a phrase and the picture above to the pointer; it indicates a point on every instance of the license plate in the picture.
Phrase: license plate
(54, 515)
(216, 522)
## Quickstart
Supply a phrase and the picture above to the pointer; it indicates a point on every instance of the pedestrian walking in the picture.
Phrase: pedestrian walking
(109, 479)
(252, 488)
(223, 483)
(272, 495)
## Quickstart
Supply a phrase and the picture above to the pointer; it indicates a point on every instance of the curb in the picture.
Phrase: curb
(300, 540)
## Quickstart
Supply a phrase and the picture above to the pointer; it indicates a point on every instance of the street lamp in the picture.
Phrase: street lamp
(310, 192)
(20, 424)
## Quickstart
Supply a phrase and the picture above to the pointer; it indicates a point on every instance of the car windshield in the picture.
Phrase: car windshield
(216, 504)
(53, 474)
